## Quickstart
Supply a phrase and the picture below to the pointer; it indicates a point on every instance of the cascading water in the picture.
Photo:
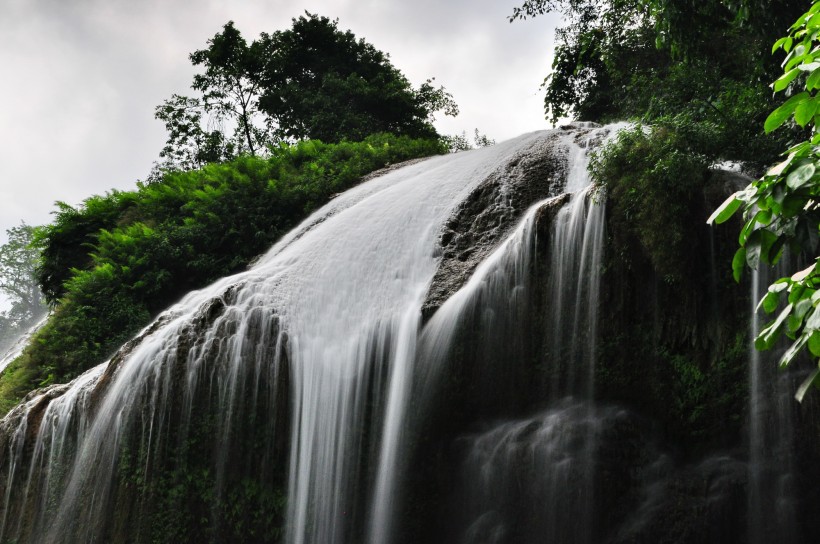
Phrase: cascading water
(562, 451)
(332, 312)
(771, 496)
(575, 256)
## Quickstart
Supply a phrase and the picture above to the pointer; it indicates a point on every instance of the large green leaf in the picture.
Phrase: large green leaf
(783, 81)
(738, 263)
(805, 112)
(792, 352)
(813, 80)
(769, 302)
(779, 115)
(725, 210)
(800, 175)
(770, 334)
(754, 247)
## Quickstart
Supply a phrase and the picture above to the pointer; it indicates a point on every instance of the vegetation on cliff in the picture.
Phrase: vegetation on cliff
(274, 129)
(111, 264)
(696, 80)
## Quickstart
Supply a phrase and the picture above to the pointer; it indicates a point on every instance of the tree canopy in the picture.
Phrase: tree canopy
(311, 81)
(322, 83)
(666, 60)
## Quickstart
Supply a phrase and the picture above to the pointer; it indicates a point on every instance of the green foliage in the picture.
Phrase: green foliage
(654, 59)
(111, 264)
(199, 128)
(780, 209)
(64, 244)
(189, 144)
(230, 85)
(312, 81)
(701, 396)
(460, 142)
(654, 178)
(322, 83)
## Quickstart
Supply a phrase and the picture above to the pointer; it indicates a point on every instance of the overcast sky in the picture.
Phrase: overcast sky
(79, 79)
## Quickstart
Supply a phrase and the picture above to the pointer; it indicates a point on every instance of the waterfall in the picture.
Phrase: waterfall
(771, 496)
(562, 451)
(424, 344)
(322, 329)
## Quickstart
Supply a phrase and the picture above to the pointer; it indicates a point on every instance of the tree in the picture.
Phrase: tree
(225, 119)
(782, 208)
(190, 145)
(18, 283)
(656, 60)
(311, 81)
(459, 142)
(230, 85)
(322, 83)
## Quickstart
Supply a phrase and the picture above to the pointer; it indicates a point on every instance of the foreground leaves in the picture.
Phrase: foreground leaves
(780, 209)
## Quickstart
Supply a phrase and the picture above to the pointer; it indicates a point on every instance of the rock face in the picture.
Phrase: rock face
(491, 212)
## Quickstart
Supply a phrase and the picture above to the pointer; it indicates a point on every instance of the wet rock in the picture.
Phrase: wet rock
(487, 216)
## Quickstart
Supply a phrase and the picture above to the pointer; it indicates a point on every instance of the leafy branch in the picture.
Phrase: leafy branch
(782, 208)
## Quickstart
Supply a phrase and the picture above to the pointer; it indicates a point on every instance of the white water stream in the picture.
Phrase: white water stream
(771, 496)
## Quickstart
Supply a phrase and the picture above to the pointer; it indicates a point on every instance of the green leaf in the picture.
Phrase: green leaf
(799, 312)
(796, 292)
(800, 175)
(738, 262)
(805, 111)
(770, 334)
(776, 250)
(813, 379)
(754, 247)
(769, 302)
(746, 231)
(813, 322)
(767, 241)
(809, 66)
(814, 344)
(803, 274)
(783, 81)
(813, 80)
(779, 43)
(801, 308)
(777, 170)
(725, 210)
(798, 57)
(779, 115)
